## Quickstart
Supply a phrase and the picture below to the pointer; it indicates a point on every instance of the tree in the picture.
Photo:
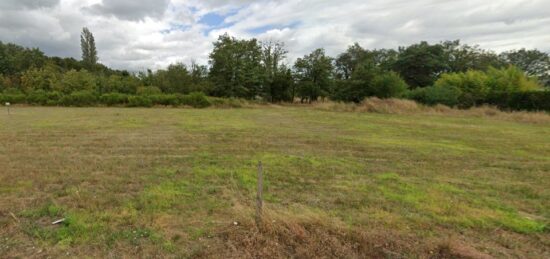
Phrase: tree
(421, 64)
(461, 57)
(314, 75)
(89, 51)
(532, 62)
(40, 78)
(236, 67)
(73, 81)
(175, 79)
(276, 81)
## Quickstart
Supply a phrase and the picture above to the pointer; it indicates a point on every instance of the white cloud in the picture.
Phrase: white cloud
(143, 34)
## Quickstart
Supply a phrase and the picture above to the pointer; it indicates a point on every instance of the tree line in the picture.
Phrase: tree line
(447, 73)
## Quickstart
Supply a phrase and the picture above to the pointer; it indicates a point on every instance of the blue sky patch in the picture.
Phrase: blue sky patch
(265, 28)
(212, 19)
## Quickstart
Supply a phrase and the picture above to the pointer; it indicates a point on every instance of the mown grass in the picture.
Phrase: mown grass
(172, 182)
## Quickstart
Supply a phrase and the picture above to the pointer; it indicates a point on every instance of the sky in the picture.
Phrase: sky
(141, 34)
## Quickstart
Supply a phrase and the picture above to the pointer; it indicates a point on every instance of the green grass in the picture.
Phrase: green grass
(165, 182)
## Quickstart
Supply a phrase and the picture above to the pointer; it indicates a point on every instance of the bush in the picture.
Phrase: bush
(195, 99)
(148, 90)
(80, 98)
(435, 95)
(139, 101)
(510, 79)
(112, 99)
(12, 95)
(38, 97)
(388, 85)
(164, 99)
(530, 101)
(471, 87)
(54, 98)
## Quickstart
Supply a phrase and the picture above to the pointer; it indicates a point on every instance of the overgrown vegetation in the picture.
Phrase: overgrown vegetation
(448, 73)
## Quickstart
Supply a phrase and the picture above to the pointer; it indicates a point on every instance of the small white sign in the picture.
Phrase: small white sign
(8, 104)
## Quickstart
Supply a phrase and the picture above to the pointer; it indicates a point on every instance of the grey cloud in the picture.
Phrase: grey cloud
(27, 4)
(132, 10)
(133, 42)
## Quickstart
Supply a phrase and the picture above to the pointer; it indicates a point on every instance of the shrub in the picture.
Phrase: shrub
(13, 96)
(79, 98)
(54, 98)
(435, 95)
(388, 85)
(195, 99)
(471, 87)
(530, 101)
(112, 99)
(148, 90)
(39, 97)
(164, 99)
(139, 101)
(510, 79)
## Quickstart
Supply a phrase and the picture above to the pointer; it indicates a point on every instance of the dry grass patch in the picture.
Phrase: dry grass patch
(402, 106)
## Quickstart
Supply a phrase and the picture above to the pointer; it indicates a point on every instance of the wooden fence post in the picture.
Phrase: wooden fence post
(259, 195)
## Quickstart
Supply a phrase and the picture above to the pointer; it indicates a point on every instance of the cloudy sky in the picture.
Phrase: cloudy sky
(140, 34)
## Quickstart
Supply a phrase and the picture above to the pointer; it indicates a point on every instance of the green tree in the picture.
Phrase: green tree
(236, 68)
(89, 51)
(175, 79)
(510, 79)
(314, 75)
(40, 78)
(532, 62)
(421, 64)
(73, 81)
(276, 81)
(461, 57)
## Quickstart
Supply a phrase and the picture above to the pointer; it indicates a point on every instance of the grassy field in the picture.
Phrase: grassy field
(181, 183)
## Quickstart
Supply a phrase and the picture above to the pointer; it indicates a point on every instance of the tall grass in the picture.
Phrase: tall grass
(402, 106)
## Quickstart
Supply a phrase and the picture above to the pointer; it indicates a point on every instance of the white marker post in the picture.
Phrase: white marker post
(8, 107)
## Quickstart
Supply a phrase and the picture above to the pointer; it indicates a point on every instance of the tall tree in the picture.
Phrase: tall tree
(236, 67)
(314, 75)
(532, 62)
(87, 44)
(276, 81)
(421, 64)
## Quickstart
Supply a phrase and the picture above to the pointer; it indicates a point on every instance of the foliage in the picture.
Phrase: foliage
(112, 99)
(420, 64)
(389, 85)
(139, 101)
(470, 87)
(87, 45)
(79, 98)
(236, 67)
(76, 81)
(314, 75)
(40, 79)
(435, 95)
(528, 100)
(533, 62)
(148, 90)
(165, 99)
(195, 99)
(118, 83)
(454, 74)
(510, 79)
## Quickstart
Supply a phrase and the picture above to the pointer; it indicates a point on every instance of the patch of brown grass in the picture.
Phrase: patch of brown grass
(402, 106)
(304, 235)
